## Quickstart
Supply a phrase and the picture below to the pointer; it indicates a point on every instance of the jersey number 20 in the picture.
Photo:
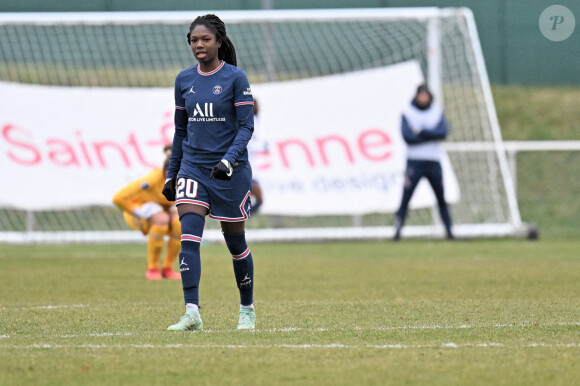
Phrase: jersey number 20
(186, 188)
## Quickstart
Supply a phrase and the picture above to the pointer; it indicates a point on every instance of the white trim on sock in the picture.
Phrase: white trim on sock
(250, 307)
(191, 307)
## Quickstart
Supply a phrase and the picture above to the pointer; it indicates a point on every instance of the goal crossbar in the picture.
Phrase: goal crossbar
(273, 16)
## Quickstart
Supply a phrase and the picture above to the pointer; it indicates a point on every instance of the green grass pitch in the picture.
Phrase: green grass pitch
(416, 312)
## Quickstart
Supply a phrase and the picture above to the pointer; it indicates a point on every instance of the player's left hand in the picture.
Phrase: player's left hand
(222, 171)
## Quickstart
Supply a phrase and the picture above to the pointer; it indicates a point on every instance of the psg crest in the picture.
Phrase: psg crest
(217, 89)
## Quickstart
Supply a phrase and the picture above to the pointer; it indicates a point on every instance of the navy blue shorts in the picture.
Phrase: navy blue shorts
(226, 200)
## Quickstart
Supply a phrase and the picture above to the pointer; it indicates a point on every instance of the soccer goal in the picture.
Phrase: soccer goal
(89, 52)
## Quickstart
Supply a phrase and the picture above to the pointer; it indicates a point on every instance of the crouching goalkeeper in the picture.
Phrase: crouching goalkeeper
(146, 209)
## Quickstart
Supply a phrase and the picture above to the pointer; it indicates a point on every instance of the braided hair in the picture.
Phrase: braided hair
(226, 52)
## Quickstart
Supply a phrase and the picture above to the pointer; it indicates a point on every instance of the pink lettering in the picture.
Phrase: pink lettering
(374, 145)
(62, 153)
(84, 149)
(166, 131)
(22, 150)
(321, 142)
(262, 160)
(99, 146)
(34, 156)
(284, 145)
(132, 142)
(371, 145)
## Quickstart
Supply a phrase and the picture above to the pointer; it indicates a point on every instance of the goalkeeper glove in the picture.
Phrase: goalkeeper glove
(147, 210)
(169, 189)
(222, 171)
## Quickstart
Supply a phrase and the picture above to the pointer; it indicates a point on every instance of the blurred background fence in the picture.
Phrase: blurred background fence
(508, 30)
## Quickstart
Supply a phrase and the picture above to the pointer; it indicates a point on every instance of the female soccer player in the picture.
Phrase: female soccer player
(145, 209)
(209, 172)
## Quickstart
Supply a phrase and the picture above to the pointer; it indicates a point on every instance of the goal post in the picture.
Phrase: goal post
(141, 52)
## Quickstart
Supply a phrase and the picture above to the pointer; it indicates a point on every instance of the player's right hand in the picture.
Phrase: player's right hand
(169, 189)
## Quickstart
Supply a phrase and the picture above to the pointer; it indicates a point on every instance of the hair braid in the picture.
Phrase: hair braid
(227, 51)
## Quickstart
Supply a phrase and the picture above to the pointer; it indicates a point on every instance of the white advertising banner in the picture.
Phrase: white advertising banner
(334, 143)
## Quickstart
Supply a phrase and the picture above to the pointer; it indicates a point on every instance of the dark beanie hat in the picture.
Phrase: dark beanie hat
(423, 88)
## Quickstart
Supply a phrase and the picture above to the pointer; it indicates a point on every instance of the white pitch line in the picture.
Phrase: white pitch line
(112, 334)
(465, 326)
(54, 307)
(557, 345)
(445, 345)
(410, 327)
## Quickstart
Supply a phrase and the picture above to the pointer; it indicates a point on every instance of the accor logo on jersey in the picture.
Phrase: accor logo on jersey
(205, 114)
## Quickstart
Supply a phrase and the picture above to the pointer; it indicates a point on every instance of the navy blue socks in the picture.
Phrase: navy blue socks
(192, 225)
(189, 261)
(243, 266)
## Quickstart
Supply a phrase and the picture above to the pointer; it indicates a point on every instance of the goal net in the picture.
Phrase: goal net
(88, 55)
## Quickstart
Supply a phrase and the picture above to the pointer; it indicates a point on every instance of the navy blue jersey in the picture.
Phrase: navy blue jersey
(214, 118)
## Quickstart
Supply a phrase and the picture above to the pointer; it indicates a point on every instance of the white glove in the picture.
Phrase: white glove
(147, 210)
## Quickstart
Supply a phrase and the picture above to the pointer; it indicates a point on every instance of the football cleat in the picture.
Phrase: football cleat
(191, 321)
(153, 274)
(168, 273)
(247, 320)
